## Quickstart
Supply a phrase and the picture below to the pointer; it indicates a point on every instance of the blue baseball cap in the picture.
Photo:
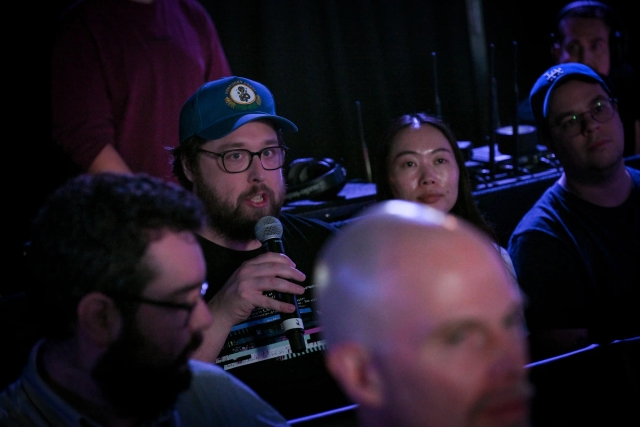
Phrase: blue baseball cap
(550, 79)
(221, 106)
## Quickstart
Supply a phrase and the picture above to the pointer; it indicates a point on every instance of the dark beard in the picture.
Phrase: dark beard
(133, 384)
(233, 222)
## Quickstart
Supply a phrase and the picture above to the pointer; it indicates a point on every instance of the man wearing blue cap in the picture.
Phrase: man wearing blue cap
(231, 154)
(576, 251)
(594, 33)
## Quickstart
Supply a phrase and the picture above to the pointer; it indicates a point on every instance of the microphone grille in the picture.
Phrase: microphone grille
(268, 227)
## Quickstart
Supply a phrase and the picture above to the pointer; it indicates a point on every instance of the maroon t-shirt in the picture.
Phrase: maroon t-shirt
(122, 70)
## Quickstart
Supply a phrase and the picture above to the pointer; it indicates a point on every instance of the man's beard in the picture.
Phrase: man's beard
(233, 221)
(133, 384)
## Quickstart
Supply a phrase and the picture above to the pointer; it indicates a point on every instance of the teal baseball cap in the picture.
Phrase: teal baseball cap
(221, 106)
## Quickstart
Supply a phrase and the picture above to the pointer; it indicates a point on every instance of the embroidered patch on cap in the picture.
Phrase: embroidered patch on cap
(242, 96)
(553, 74)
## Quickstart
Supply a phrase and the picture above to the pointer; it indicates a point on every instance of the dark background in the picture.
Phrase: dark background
(319, 57)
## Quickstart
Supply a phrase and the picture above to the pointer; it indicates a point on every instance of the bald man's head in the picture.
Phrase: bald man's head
(396, 249)
(411, 301)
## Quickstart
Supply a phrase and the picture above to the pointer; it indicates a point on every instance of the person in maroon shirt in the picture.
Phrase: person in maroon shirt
(121, 71)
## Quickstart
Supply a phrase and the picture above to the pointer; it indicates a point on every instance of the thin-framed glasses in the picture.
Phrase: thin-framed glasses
(239, 160)
(167, 304)
(601, 113)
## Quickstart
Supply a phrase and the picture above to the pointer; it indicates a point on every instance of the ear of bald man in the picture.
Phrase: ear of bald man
(350, 363)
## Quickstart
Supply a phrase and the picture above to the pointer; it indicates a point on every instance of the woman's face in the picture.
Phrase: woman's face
(423, 168)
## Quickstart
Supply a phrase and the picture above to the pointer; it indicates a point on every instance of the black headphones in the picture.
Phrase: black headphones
(314, 178)
(598, 10)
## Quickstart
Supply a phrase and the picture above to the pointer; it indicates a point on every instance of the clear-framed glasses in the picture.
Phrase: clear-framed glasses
(601, 113)
(239, 160)
(167, 304)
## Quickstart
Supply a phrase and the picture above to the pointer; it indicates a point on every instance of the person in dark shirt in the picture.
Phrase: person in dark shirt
(231, 154)
(576, 251)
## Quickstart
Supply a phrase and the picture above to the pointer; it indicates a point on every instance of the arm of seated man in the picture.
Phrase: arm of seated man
(243, 292)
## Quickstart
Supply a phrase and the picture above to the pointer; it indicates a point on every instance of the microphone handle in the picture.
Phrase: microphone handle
(291, 322)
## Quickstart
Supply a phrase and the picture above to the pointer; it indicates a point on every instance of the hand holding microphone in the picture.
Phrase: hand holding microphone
(268, 231)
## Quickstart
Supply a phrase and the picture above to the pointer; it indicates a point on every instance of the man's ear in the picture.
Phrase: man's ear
(352, 366)
(99, 318)
(186, 167)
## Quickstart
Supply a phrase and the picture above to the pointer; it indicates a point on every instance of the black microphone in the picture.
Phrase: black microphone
(268, 231)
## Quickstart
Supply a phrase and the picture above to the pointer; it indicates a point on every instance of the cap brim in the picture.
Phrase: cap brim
(224, 127)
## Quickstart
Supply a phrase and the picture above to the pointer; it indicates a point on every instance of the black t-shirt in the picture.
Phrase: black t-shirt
(578, 264)
(257, 351)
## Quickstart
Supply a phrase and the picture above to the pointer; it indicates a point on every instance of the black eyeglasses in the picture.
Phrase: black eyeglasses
(601, 113)
(239, 160)
(166, 304)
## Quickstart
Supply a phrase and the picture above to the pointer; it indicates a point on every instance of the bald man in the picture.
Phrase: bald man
(423, 324)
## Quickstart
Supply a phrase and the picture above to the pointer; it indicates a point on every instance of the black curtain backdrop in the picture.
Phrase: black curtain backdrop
(320, 57)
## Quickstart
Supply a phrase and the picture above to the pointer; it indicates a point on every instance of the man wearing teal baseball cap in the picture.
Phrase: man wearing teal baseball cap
(231, 155)
(576, 251)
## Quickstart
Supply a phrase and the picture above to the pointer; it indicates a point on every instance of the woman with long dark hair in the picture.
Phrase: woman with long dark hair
(419, 160)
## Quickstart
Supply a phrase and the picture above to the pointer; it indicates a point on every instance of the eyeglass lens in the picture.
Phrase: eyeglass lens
(601, 113)
(240, 160)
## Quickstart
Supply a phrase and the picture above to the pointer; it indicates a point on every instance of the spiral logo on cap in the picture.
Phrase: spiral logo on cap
(242, 96)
